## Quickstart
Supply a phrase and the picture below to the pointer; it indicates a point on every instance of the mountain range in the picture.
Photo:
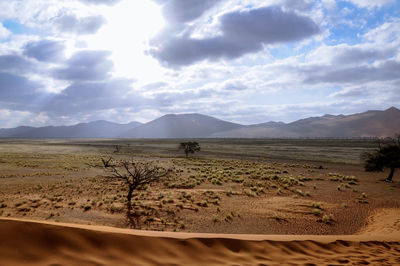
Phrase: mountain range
(368, 124)
(96, 129)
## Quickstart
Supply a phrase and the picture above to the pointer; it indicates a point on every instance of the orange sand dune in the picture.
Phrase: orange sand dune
(43, 243)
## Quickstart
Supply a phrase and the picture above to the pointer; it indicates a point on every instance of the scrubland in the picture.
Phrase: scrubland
(230, 186)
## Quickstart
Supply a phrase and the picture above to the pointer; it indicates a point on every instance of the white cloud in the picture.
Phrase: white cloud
(388, 32)
(371, 3)
(329, 4)
(40, 119)
(10, 118)
(4, 32)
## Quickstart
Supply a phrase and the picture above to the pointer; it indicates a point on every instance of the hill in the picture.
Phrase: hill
(368, 124)
(181, 126)
(96, 129)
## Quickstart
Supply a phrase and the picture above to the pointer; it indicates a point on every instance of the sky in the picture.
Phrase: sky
(64, 62)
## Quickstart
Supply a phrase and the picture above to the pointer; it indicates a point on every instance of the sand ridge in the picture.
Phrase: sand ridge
(37, 243)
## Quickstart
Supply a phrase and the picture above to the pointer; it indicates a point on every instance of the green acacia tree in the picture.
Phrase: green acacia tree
(189, 147)
(386, 156)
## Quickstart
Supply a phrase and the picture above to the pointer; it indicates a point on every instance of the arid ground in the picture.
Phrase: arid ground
(230, 186)
(236, 202)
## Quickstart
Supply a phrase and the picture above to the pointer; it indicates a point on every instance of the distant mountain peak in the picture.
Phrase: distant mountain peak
(188, 116)
(192, 125)
(328, 116)
(392, 109)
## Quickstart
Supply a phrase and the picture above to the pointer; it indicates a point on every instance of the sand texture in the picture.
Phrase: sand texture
(38, 243)
(384, 221)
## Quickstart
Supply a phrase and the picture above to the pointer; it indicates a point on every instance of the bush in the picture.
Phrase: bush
(316, 212)
(327, 219)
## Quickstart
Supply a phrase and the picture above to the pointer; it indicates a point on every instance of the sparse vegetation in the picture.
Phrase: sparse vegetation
(316, 212)
(317, 205)
(215, 218)
(279, 217)
(196, 194)
(327, 219)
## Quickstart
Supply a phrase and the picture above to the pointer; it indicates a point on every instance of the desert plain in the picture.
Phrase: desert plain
(236, 202)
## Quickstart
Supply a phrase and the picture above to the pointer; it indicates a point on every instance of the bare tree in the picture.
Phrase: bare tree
(136, 175)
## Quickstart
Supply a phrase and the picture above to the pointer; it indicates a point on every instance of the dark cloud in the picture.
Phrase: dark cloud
(16, 64)
(45, 50)
(389, 70)
(267, 25)
(87, 25)
(92, 88)
(242, 33)
(351, 55)
(100, 2)
(182, 11)
(92, 96)
(86, 66)
(16, 91)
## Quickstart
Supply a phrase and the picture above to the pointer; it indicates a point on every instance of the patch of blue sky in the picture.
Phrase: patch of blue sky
(383, 14)
(17, 28)
(14, 26)
(344, 34)
(283, 51)
(348, 26)
(353, 22)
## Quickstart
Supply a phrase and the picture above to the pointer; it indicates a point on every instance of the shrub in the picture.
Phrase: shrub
(215, 218)
(298, 191)
(327, 219)
(316, 212)
(228, 217)
(317, 205)
(279, 217)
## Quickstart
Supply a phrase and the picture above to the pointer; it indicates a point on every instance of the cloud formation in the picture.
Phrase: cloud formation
(4, 33)
(16, 64)
(370, 3)
(100, 2)
(86, 66)
(45, 50)
(242, 32)
(248, 61)
(92, 96)
(386, 71)
(16, 90)
(182, 11)
(70, 23)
